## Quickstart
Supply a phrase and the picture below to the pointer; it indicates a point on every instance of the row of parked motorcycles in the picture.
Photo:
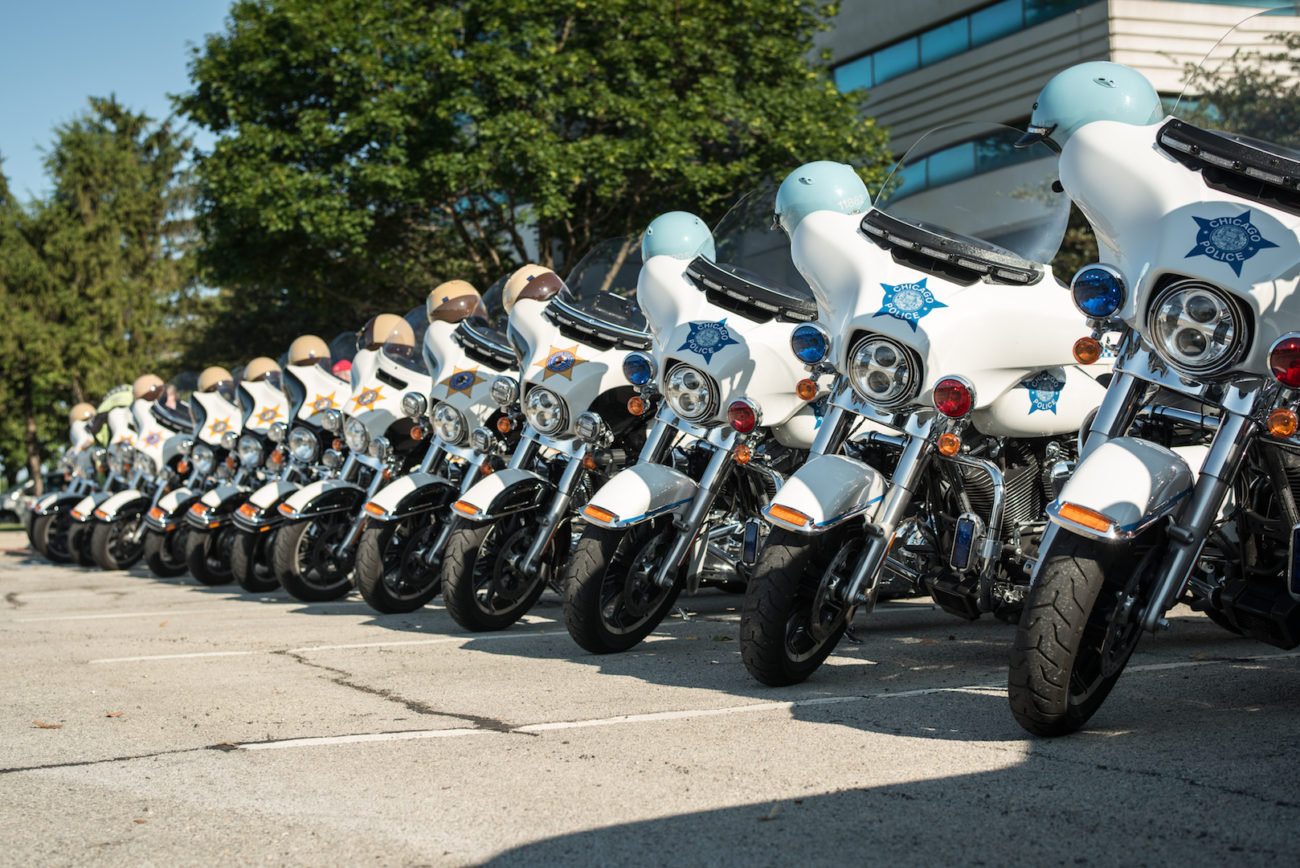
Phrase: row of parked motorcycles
(822, 402)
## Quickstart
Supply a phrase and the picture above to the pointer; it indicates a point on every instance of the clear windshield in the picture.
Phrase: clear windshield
(496, 312)
(603, 284)
(1248, 83)
(969, 180)
(750, 244)
(409, 356)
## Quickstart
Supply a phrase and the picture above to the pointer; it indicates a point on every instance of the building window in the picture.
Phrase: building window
(948, 39)
(962, 160)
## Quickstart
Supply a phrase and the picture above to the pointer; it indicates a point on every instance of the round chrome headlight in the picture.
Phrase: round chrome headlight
(332, 421)
(448, 424)
(482, 440)
(144, 463)
(277, 432)
(333, 459)
(881, 371)
(202, 457)
(414, 404)
(691, 394)
(380, 448)
(1195, 327)
(356, 435)
(250, 451)
(546, 411)
(229, 440)
(504, 391)
(303, 445)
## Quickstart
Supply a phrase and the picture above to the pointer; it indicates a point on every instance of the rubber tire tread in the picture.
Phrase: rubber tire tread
(41, 527)
(79, 544)
(242, 563)
(99, 540)
(285, 565)
(458, 560)
(368, 572)
(196, 555)
(155, 544)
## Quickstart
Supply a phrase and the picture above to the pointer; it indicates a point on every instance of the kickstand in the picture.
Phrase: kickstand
(852, 635)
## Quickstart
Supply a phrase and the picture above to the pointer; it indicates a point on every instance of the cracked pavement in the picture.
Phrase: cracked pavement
(157, 721)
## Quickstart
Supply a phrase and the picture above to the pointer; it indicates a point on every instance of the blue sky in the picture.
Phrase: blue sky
(56, 53)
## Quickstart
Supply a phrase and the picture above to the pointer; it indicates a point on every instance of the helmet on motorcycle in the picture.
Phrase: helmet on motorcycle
(1095, 91)
(452, 301)
(386, 328)
(679, 234)
(147, 386)
(80, 412)
(536, 282)
(260, 368)
(214, 378)
(819, 186)
(308, 350)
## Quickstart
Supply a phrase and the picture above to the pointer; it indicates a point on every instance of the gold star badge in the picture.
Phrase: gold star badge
(367, 399)
(219, 426)
(323, 403)
(153, 438)
(560, 361)
(269, 414)
(462, 380)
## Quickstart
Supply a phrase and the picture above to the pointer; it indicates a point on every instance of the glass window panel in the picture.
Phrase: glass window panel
(952, 164)
(1037, 11)
(854, 74)
(910, 180)
(998, 151)
(945, 41)
(896, 60)
(995, 22)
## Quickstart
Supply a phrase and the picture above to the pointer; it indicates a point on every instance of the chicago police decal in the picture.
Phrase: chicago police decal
(707, 338)
(1231, 240)
(1044, 392)
(908, 302)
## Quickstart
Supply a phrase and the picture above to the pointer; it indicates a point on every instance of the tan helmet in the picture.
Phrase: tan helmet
(308, 350)
(453, 301)
(147, 386)
(386, 328)
(80, 412)
(260, 368)
(531, 281)
(212, 378)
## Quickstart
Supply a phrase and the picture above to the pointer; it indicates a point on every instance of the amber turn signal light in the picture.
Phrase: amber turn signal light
(636, 405)
(1087, 350)
(1087, 517)
(949, 443)
(417, 433)
(743, 454)
(1282, 422)
(788, 515)
(604, 516)
(504, 425)
(806, 389)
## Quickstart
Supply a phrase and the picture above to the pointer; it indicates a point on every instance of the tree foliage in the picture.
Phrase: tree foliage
(1252, 92)
(369, 150)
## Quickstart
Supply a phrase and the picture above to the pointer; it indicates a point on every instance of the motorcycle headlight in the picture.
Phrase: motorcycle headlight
(380, 448)
(414, 405)
(277, 432)
(145, 463)
(203, 459)
(1195, 327)
(250, 451)
(545, 411)
(482, 440)
(303, 445)
(881, 371)
(356, 436)
(229, 441)
(691, 394)
(504, 391)
(590, 427)
(333, 459)
(448, 424)
(332, 421)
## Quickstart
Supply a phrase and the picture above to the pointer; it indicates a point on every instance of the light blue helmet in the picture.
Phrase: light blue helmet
(819, 186)
(679, 234)
(1087, 92)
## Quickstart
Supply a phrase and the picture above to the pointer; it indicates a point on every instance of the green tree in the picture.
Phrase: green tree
(368, 150)
(1249, 91)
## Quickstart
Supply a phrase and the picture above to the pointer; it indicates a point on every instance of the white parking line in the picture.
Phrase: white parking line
(376, 736)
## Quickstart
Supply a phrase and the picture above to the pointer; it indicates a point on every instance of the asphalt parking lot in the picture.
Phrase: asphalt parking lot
(152, 721)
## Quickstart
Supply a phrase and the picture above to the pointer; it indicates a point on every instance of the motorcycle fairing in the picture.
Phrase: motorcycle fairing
(410, 494)
(322, 497)
(119, 503)
(503, 493)
(85, 508)
(263, 501)
(378, 386)
(171, 509)
(642, 492)
(313, 390)
(1131, 482)
(268, 405)
(829, 490)
(214, 416)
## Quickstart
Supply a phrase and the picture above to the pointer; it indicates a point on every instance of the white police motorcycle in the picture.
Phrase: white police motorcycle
(731, 421)
(122, 474)
(943, 439)
(514, 528)
(51, 514)
(1188, 480)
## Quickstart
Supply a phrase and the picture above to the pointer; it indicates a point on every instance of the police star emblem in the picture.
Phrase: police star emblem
(908, 302)
(323, 403)
(559, 361)
(153, 438)
(1044, 392)
(268, 414)
(1230, 240)
(707, 338)
(462, 380)
(219, 426)
(367, 399)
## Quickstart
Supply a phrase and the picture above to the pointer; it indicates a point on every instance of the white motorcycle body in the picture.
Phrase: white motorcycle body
(214, 416)
(378, 384)
(265, 405)
(312, 390)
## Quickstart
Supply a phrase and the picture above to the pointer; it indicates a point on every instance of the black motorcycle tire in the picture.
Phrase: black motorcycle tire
(79, 544)
(303, 565)
(208, 554)
(165, 553)
(476, 556)
(108, 542)
(599, 576)
(390, 571)
(50, 535)
(250, 561)
(775, 643)
(1063, 663)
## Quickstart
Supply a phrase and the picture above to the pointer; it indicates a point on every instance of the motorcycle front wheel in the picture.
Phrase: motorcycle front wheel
(250, 561)
(305, 559)
(208, 554)
(1080, 624)
(79, 534)
(50, 535)
(117, 545)
(611, 601)
(391, 571)
(482, 589)
(787, 629)
(165, 553)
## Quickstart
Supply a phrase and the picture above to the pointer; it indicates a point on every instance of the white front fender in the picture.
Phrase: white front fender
(826, 491)
(1121, 487)
(85, 508)
(410, 494)
(639, 493)
(109, 509)
(506, 491)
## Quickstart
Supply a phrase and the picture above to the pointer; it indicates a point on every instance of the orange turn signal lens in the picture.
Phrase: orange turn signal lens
(156, 512)
(465, 507)
(806, 390)
(417, 433)
(101, 513)
(277, 456)
(182, 466)
(1087, 350)
(248, 510)
(504, 425)
(595, 513)
(286, 509)
(199, 509)
(589, 461)
(1282, 422)
(1089, 518)
(743, 454)
(636, 405)
(486, 468)
(374, 508)
(788, 515)
(949, 443)
(336, 444)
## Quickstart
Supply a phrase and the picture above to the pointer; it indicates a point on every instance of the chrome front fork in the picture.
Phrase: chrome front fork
(573, 474)
(355, 530)
(689, 525)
